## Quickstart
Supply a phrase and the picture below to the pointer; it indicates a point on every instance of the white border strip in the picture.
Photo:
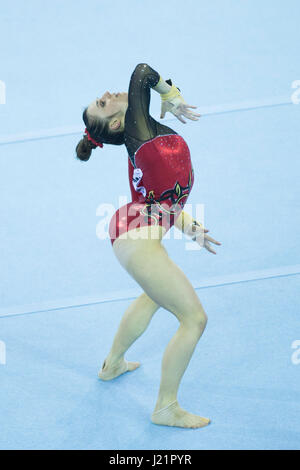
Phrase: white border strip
(245, 106)
(133, 293)
(41, 134)
(204, 111)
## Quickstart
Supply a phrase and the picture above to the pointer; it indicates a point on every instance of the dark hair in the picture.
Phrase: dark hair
(99, 131)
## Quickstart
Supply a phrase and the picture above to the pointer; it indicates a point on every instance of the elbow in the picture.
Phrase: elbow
(140, 67)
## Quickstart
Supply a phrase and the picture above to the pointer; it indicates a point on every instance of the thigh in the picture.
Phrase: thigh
(148, 262)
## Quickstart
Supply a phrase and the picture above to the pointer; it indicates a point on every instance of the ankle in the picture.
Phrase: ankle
(164, 402)
(111, 361)
(170, 406)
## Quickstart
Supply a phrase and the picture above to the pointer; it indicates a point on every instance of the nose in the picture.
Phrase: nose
(106, 95)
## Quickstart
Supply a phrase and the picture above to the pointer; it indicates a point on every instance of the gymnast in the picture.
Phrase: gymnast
(161, 177)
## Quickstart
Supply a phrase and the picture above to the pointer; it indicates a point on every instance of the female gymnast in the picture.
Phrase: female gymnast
(161, 177)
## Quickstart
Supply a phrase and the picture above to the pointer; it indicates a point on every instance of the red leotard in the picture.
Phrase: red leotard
(160, 170)
(162, 190)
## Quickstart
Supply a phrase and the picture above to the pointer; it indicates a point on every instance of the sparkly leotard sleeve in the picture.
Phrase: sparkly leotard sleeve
(159, 165)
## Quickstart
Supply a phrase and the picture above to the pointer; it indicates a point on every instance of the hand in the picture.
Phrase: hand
(199, 235)
(178, 107)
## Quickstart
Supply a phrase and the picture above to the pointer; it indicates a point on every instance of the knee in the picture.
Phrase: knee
(198, 320)
(201, 320)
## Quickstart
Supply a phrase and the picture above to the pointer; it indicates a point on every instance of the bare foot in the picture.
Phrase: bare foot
(173, 415)
(110, 372)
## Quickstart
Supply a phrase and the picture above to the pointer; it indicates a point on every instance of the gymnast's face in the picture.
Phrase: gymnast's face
(111, 106)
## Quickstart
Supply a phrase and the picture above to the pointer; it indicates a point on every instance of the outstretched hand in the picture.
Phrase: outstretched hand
(179, 108)
(199, 235)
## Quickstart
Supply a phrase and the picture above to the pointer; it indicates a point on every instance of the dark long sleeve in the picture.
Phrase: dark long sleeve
(139, 125)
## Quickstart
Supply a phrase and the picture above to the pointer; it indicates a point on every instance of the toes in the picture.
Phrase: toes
(102, 376)
(204, 422)
(133, 365)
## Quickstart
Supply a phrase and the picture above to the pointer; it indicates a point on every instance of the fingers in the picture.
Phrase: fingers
(205, 242)
(209, 248)
(180, 118)
(198, 231)
(191, 117)
(186, 106)
(180, 111)
(189, 114)
(212, 240)
(163, 111)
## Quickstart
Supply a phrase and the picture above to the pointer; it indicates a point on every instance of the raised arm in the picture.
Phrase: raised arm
(139, 125)
(138, 122)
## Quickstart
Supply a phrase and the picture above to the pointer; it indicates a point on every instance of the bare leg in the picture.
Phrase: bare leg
(164, 282)
(134, 322)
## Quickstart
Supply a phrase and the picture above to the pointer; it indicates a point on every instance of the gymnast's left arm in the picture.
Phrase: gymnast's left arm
(195, 230)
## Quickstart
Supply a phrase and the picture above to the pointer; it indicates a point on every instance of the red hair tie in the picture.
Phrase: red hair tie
(98, 144)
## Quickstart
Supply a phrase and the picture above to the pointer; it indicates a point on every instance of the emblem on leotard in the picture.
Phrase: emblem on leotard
(136, 179)
(157, 206)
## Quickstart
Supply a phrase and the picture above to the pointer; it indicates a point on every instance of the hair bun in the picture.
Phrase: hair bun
(84, 149)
